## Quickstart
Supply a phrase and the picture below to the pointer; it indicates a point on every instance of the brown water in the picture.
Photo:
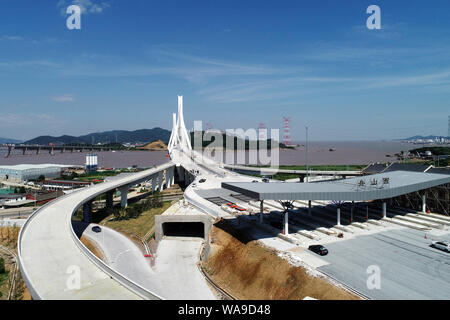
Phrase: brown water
(345, 152)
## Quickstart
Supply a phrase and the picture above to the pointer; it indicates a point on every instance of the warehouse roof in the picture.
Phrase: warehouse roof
(21, 167)
(371, 187)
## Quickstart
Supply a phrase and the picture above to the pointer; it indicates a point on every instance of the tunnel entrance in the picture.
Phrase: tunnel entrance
(183, 229)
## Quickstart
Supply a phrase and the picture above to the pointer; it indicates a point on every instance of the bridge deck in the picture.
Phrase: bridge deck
(49, 248)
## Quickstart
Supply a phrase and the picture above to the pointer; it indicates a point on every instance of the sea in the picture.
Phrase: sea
(319, 153)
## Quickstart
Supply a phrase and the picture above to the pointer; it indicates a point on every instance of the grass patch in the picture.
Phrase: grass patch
(137, 227)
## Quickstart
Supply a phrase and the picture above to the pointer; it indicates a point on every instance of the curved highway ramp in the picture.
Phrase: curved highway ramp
(56, 265)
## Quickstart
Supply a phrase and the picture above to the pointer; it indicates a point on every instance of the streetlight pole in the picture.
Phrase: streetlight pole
(307, 167)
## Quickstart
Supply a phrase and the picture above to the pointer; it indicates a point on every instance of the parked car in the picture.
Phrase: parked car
(265, 180)
(441, 245)
(96, 229)
(319, 249)
(202, 180)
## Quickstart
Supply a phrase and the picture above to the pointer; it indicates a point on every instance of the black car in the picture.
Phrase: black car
(319, 249)
(265, 180)
(96, 229)
(201, 180)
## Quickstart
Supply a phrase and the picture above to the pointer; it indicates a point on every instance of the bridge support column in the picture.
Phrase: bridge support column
(87, 212)
(424, 203)
(351, 211)
(38, 150)
(384, 209)
(153, 184)
(124, 196)
(168, 179)
(172, 176)
(25, 150)
(180, 173)
(161, 181)
(261, 211)
(286, 223)
(309, 207)
(109, 199)
(338, 216)
(10, 151)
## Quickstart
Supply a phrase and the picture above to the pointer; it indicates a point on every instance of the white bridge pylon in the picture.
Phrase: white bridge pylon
(179, 138)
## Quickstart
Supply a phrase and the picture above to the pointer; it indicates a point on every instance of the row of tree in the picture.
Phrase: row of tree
(136, 209)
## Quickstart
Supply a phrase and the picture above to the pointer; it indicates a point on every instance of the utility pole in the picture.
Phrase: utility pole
(307, 167)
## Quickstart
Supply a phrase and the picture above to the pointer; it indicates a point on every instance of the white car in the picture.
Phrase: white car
(441, 245)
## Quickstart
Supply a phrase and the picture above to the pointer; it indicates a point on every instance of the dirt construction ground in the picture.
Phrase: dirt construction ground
(247, 270)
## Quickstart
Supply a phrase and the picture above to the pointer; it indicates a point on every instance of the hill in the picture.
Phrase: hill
(115, 136)
(154, 146)
(7, 140)
(423, 138)
(237, 141)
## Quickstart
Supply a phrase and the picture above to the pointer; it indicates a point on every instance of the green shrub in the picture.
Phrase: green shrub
(2, 265)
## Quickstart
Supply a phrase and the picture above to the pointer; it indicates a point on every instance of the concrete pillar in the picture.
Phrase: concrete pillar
(351, 211)
(180, 173)
(161, 181)
(124, 196)
(24, 151)
(87, 212)
(38, 150)
(168, 179)
(286, 223)
(10, 151)
(338, 216)
(154, 183)
(309, 207)
(109, 199)
(384, 209)
(261, 211)
(172, 170)
(424, 203)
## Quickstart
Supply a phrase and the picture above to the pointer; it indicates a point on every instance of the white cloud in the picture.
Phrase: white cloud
(11, 38)
(87, 6)
(64, 98)
(20, 120)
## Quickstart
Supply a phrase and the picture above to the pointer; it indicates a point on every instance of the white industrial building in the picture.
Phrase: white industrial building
(24, 172)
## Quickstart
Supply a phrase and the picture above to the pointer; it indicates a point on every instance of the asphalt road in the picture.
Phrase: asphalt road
(409, 268)
(175, 274)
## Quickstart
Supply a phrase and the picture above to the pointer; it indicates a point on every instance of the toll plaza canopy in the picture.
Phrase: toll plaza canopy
(370, 187)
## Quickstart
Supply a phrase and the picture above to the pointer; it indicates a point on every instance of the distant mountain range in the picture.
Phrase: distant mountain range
(6, 140)
(424, 138)
(115, 136)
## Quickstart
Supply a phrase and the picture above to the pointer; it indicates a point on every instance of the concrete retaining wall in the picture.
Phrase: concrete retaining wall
(160, 219)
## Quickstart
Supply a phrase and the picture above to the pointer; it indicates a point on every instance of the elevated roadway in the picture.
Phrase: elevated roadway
(272, 171)
(52, 257)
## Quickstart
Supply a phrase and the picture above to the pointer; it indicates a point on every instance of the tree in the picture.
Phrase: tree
(41, 177)
(2, 265)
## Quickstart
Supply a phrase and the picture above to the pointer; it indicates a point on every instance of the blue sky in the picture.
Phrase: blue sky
(237, 63)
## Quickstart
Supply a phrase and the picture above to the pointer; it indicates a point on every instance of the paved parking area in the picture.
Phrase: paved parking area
(410, 269)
